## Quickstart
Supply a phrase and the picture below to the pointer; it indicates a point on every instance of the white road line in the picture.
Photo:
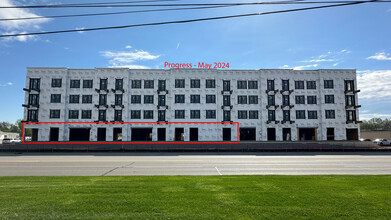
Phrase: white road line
(218, 171)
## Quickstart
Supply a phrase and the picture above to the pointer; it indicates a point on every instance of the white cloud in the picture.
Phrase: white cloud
(329, 57)
(177, 46)
(6, 84)
(128, 46)
(304, 67)
(367, 116)
(128, 58)
(22, 38)
(131, 67)
(380, 56)
(318, 60)
(374, 84)
(284, 67)
(80, 30)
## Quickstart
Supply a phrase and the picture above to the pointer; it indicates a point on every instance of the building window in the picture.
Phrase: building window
(312, 115)
(195, 83)
(350, 115)
(162, 85)
(135, 99)
(54, 113)
(194, 98)
(329, 99)
(148, 84)
(35, 84)
(135, 114)
(161, 115)
(330, 114)
(118, 115)
(286, 115)
(271, 100)
(252, 99)
(75, 83)
(329, 84)
(102, 115)
(299, 84)
(86, 98)
(300, 114)
(242, 84)
(34, 99)
(179, 98)
(73, 114)
(210, 98)
(349, 85)
(162, 100)
(311, 84)
(136, 84)
(195, 114)
(87, 83)
(103, 84)
(226, 85)
(56, 83)
(74, 98)
(300, 99)
(148, 99)
(242, 114)
(119, 84)
(253, 84)
(226, 115)
(242, 99)
(311, 99)
(349, 100)
(179, 83)
(285, 85)
(253, 114)
(55, 98)
(148, 114)
(210, 114)
(179, 114)
(271, 115)
(270, 85)
(226, 100)
(102, 99)
(285, 100)
(210, 83)
(32, 115)
(118, 99)
(86, 114)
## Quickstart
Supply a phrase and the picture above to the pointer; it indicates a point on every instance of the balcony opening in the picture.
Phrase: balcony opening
(193, 134)
(117, 134)
(79, 134)
(226, 134)
(141, 134)
(307, 134)
(247, 134)
(271, 134)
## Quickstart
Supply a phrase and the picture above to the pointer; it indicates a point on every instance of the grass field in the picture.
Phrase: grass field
(198, 197)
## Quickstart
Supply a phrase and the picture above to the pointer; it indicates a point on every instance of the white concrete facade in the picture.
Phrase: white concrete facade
(206, 132)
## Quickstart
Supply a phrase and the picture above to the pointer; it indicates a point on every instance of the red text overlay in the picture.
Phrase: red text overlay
(201, 65)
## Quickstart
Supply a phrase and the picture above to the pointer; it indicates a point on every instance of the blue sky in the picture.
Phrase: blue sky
(352, 37)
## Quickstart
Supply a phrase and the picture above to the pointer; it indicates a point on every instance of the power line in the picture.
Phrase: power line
(184, 21)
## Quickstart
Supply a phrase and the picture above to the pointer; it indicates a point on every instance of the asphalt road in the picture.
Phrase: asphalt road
(122, 164)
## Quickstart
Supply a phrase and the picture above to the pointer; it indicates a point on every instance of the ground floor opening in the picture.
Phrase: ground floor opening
(247, 134)
(330, 134)
(141, 134)
(226, 134)
(101, 134)
(306, 134)
(161, 134)
(54, 133)
(79, 134)
(352, 134)
(117, 134)
(193, 134)
(179, 134)
(286, 134)
(271, 134)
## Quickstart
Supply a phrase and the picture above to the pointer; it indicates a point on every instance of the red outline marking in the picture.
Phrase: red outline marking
(120, 142)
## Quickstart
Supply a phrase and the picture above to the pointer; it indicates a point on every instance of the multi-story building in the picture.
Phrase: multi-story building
(269, 104)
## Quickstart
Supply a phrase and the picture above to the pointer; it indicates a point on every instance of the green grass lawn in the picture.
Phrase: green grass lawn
(198, 197)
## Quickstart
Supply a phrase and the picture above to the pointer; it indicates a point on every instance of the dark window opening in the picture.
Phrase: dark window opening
(226, 134)
(307, 134)
(247, 134)
(179, 134)
(193, 134)
(271, 134)
(141, 134)
(101, 134)
(117, 134)
(79, 134)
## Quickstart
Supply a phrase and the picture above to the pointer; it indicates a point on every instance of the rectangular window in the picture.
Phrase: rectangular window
(226, 85)
(148, 84)
(194, 98)
(349, 100)
(270, 85)
(119, 84)
(271, 100)
(210, 114)
(195, 83)
(242, 114)
(56, 83)
(210, 83)
(118, 115)
(242, 84)
(179, 98)
(329, 99)
(285, 100)
(179, 83)
(86, 114)
(286, 115)
(179, 114)
(252, 84)
(299, 84)
(252, 99)
(195, 114)
(102, 115)
(74, 98)
(135, 114)
(311, 84)
(162, 100)
(226, 100)
(35, 84)
(34, 99)
(300, 114)
(226, 115)
(118, 99)
(329, 84)
(87, 83)
(350, 115)
(135, 99)
(330, 114)
(55, 98)
(103, 84)
(73, 114)
(86, 98)
(300, 99)
(32, 115)
(161, 115)
(210, 99)
(253, 114)
(312, 115)
(148, 114)
(136, 84)
(285, 85)
(54, 113)
(349, 85)
(75, 83)
(148, 99)
(311, 99)
(102, 99)
(271, 115)
(162, 85)
(242, 99)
